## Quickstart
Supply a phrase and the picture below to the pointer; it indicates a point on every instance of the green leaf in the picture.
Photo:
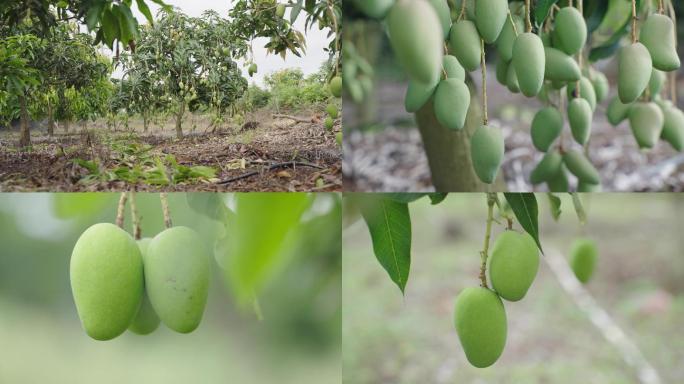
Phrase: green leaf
(541, 11)
(145, 10)
(110, 27)
(524, 206)
(555, 205)
(436, 198)
(71, 205)
(389, 224)
(404, 197)
(579, 208)
(296, 9)
(128, 24)
(93, 15)
(611, 45)
(594, 12)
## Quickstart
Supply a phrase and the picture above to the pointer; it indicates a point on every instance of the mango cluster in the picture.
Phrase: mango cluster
(121, 284)
(479, 314)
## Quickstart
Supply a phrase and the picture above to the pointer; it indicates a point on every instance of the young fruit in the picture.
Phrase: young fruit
(579, 117)
(504, 44)
(452, 99)
(634, 72)
(336, 86)
(586, 91)
(513, 264)
(464, 42)
(453, 68)
(512, 79)
(280, 10)
(546, 127)
(655, 83)
(252, 69)
(416, 38)
(559, 181)
(146, 320)
(480, 321)
(570, 30)
(490, 16)
(583, 258)
(560, 67)
(617, 111)
(444, 14)
(585, 187)
(332, 111)
(548, 167)
(338, 138)
(673, 128)
(600, 84)
(177, 277)
(658, 35)
(580, 166)
(646, 121)
(376, 9)
(529, 61)
(329, 123)
(502, 72)
(486, 151)
(417, 94)
(106, 273)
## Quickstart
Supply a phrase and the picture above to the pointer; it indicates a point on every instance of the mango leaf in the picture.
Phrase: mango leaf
(404, 197)
(389, 224)
(541, 11)
(93, 15)
(71, 205)
(145, 10)
(579, 208)
(436, 198)
(594, 12)
(555, 205)
(524, 206)
(611, 45)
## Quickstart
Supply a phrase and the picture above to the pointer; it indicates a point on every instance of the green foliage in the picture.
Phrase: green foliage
(289, 89)
(513, 264)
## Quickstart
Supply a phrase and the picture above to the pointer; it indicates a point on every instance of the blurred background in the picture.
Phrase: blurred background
(297, 341)
(639, 281)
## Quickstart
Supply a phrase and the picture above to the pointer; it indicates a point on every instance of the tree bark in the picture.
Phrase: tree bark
(51, 121)
(179, 119)
(25, 138)
(145, 121)
(66, 123)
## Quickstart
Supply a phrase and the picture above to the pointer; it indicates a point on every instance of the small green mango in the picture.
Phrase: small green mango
(580, 166)
(546, 127)
(452, 100)
(444, 14)
(673, 128)
(480, 322)
(417, 39)
(280, 10)
(512, 79)
(655, 83)
(332, 111)
(336, 86)
(502, 72)
(490, 16)
(586, 91)
(504, 44)
(601, 85)
(106, 274)
(579, 117)
(570, 30)
(659, 37)
(470, 8)
(588, 188)
(617, 111)
(513, 264)
(487, 151)
(146, 320)
(583, 257)
(560, 67)
(329, 123)
(453, 68)
(646, 121)
(634, 72)
(376, 9)
(177, 277)
(529, 62)
(548, 167)
(464, 42)
(559, 181)
(417, 94)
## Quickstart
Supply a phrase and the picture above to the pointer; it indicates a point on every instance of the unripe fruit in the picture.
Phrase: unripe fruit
(658, 35)
(332, 111)
(512, 79)
(336, 86)
(502, 72)
(417, 94)
(600, 84)
(280, 10)
(487, 150)
(106, 273)
(329, 123)
(453, 68)
(416, 38)
(470, 8)
(634, 72)
(617, 111)
(513, 264)
(548, 167)
(452, 100)
(504, 44)
(529, 62)
(583, 258)
(444, 14)
(146, 320)
(464, 42)
(546, 127)
(253, 68)
(646, 121)
(376, 9)
(579, 117)
(588, 188)
(673, 128)
(560, 67)
(570, 30)
(490, 16)
(480, 321)
(338, 138)
(177, 277)
(586, 91)
(580, 166)
(559, 182)
(655, 83)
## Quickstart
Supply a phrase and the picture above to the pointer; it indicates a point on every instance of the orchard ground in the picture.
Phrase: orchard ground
(639, 281)
(307, 155)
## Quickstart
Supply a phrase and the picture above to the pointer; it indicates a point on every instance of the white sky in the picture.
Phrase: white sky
(309, 63)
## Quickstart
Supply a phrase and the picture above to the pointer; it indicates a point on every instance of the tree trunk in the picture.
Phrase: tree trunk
(84, 125)
(448, 151)
(25, 138)
(179, 119)
(51, 121)
(66, 123)
(145, 121)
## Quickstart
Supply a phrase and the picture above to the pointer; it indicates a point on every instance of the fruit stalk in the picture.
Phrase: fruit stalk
(485, 118)
(165, 210)
(528, 23)
(120, 210)
(134, 216)
(634, 22)
(491, 200)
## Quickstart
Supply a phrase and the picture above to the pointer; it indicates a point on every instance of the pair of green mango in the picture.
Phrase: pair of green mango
(553, 164)
(119, 284)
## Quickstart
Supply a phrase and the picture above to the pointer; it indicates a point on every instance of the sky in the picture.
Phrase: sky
(309, 63)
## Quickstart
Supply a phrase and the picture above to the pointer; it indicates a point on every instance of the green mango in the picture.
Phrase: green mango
(329, 123)
(646, 121)
(586, 90)
(579, 117)
(570, 30)
(548, 167)
(280, 10)
(487, 151)
(464, 42)
(546, 127)
(512, 79)
(655, 83)
(601, 86)
(376, 9)
(659, 36)
(546, 39)
(470, 8)
(504, 44)
(444, 14)
(177, 277)
(673, 128)
(417, 94)
(336, 86)
(490, 16)
(588, 188)
(480, 322)
(513, 264)
(502, 72)
(338, 139)
(106, 273)
(146, 320)
(417, 39)
(560, 67)
(559, 181)
(634, 72)
(529, 62)
(617, 111)
(580, 166)
(543, 95)
(453, 68)
(583, 257)
(332, 111)
(452, 100)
